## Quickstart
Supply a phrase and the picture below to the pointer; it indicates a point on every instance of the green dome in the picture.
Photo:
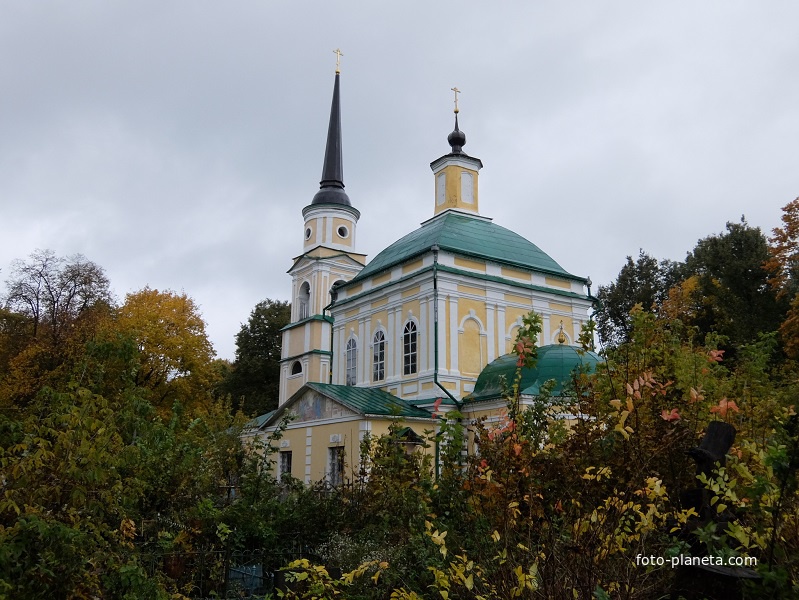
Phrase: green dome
(466, 235)
(556, 361)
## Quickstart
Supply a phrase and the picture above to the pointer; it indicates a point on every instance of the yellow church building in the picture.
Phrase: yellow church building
(428, 323)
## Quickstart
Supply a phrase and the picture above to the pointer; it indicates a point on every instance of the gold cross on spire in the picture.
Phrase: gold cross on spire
(457, 91)
(338, 54)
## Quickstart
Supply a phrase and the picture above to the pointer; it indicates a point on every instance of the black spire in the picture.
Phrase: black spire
(331, 188)
(457, 139)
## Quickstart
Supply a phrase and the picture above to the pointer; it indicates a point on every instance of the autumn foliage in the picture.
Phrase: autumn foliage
(119, 456)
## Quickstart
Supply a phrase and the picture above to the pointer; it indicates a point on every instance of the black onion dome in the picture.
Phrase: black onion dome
(457, 139)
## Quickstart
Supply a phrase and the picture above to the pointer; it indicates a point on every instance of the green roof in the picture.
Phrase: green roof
(467, 235)
(258, 421)
(445, 401)
(556, 361)
(369, 401)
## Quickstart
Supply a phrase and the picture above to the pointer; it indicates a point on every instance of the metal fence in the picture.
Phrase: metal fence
(218, 574)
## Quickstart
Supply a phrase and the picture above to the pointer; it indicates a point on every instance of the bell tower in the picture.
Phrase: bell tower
(328, 258)
(456, 173)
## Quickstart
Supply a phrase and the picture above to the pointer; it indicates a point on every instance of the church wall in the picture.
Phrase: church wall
(344, 435)
(477, 321)
(309, 442)
(467, 263)
(512, 273)
(557, 282)
(472, 348)
(293, 382)
(298, 338)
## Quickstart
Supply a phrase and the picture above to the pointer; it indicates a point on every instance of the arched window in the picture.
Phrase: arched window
(352, 362)
(409, 348)
(379, 357)
(296, 368)
(305, 301)
(334, 288)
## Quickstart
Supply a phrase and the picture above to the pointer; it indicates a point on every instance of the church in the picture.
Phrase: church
(424, 327)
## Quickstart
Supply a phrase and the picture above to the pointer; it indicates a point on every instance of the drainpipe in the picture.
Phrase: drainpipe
(333, 298)
(594, 306)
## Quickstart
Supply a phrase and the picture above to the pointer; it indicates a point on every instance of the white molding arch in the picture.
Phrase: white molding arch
(473, 316)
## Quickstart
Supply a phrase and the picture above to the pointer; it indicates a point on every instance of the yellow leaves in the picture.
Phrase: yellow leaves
(174, 348)
(655, 488)
(437, 538)
(621, 427)
(469, 581)
(740, 533)
(591, 476)
(495, 536)
(440, 579)
(127, 529)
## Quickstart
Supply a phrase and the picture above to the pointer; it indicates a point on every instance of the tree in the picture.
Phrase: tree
(254, 382)
(643, 281)
(783, 269)
(53, 290)
(175, 353)
(87, 474)
(53, 306)
(783, 261)
(737, 301)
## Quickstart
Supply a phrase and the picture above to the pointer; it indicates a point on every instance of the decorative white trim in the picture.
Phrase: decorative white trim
(473, 316)
(453, 334)
(492, 342)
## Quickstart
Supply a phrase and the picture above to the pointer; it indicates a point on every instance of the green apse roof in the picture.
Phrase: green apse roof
(369, 401)
(258, 421)
(556, 361)
(466, 235)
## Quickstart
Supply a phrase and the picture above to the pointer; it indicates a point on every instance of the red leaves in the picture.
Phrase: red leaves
(670, 416)
(436, 406)
(715, 356)
(724, 406)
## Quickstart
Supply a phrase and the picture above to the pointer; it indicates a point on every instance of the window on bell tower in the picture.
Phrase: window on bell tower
(304, 301)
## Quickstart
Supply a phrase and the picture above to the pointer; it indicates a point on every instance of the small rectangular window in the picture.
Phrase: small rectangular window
(284, 466)
(335, 467)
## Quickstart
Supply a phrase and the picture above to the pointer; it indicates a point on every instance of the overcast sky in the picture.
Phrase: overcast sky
(176, 143)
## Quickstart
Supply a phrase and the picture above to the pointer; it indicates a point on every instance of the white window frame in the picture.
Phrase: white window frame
(285, 456)
(351, 365)
(379, 356)
(410, 348)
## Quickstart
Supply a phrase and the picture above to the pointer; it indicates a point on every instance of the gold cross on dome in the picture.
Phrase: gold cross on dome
(338, 54)
(457, 91)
